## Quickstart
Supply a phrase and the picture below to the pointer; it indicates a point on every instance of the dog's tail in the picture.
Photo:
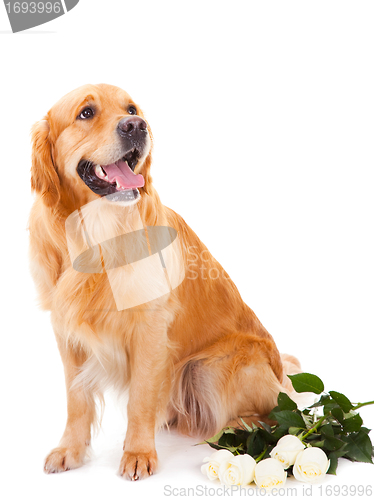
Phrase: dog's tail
(291, 366)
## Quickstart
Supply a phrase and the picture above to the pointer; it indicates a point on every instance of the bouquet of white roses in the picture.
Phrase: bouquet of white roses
(303, 443)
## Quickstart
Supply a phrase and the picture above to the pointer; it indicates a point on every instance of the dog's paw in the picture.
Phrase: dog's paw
(62, 459)
(136, 466)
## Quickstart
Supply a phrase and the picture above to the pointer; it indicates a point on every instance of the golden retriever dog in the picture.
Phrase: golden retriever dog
(192, 356)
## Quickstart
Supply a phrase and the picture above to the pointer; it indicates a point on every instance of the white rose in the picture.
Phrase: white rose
(213, 463)
(238, 470)
(311, 465)
(287, 449)
(269, 474)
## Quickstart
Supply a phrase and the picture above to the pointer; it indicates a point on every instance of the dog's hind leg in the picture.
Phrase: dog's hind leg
(231, 378)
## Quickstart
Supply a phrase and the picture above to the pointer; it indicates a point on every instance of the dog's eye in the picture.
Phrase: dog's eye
(132, 110)
(86, 113)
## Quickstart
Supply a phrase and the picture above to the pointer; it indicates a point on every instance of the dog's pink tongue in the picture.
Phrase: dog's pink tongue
(121, 173)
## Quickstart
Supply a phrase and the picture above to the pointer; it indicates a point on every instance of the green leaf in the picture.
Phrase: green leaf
(249, 429)
(342, 401)
(333, 457)
(306, 382)
(352, 424)
(295, 430)
(314, 437)
(285, 402)
(266, 427)
(359, 447)
(215, 438)
(318, 444)
(273, 412)
(215, 446)
(333, 443)
(338, 414)
(280, 431)
(325, 398)
(268, 436)
(290, 419)
(365, 430)
(338, 430)
(256, 444)
(328, 407)
(327, 430)
(240, 436)
(333, 463)
(227, 440)
(308, 420)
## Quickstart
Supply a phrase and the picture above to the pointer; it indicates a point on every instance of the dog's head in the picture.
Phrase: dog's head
(93, 142)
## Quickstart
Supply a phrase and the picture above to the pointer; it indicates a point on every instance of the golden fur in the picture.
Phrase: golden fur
(195, 359)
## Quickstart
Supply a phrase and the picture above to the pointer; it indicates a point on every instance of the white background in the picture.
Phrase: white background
(262, 114)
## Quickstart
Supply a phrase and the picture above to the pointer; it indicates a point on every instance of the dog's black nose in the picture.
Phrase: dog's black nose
(131, 125)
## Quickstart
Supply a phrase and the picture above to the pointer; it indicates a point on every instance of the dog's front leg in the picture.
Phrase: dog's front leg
(81, 414)
(149, 371)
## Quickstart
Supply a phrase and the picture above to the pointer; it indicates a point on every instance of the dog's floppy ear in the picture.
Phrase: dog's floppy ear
(146, 167)
(44, 178)
(146, 173)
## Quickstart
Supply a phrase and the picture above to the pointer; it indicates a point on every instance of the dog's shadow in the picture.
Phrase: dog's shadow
(175, 452)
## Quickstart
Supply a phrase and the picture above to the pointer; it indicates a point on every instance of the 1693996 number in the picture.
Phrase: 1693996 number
(345, 490)
(33, 7)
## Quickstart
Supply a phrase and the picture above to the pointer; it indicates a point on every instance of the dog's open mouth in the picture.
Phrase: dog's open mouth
(117, 179)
